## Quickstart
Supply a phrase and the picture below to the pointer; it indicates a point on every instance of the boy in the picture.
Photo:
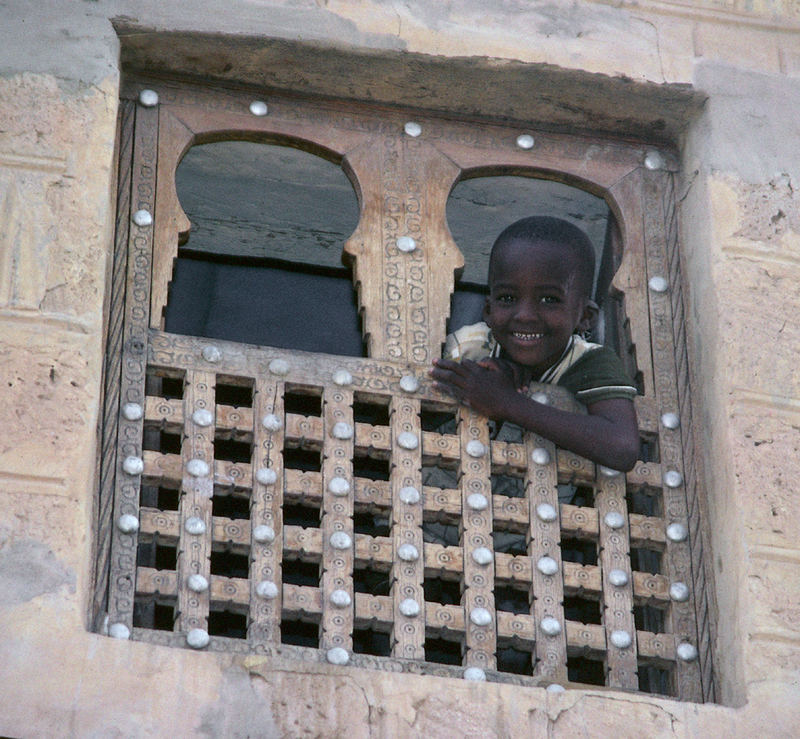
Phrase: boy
(541, 271)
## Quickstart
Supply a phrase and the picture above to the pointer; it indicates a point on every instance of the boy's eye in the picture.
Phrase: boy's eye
(505, 298)
(550, 299)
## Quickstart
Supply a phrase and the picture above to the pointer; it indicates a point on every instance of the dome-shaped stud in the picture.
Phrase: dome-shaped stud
(342, 431)
(412, 128)
(614, 520)
(540, 456)
(621, 639)
(679, 592)
(658, 284)
(148, 98)
(195, 526)
(211, 354)
(142, 218)
(340, 599)
(279, 367)
(202, 417)
(271, 422)
(198, 468)
(618, 578)
(133, 465)
(197, 583)
(409, 384)
(541, 397)
(407, 440)
(673, 479)
(264, 534)
(677, 532)
(409, 607)
(340, 540)
(475, 674)
(555, 688)
(267, 590)
(127, 523)
(525, 141)
(119, 631)
(259, 108)
(198, 638)
(480, 616)
(132, 411)
(482, 555)
(550, 626)
(547, 565)
(338, 486)
(266, 476)
(653, 160)
(342, 377)
(409, 495)
(408, 553)
(337, 656)
(686, 652)
(475, 448)
(608, 471)
(406, 244)
(670, 420)
(477, 502)
(546, 512)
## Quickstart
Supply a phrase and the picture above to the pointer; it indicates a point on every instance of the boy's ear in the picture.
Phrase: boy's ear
(486, 310)
(589, 316)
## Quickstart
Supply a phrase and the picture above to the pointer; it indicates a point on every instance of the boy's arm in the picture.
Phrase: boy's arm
(608, 435)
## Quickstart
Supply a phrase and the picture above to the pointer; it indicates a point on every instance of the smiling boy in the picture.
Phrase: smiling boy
(541, 271)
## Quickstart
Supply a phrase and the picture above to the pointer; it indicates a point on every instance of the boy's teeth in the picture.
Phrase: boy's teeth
(520, 335)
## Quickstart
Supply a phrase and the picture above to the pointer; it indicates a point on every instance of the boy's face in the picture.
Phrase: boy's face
(536, 302)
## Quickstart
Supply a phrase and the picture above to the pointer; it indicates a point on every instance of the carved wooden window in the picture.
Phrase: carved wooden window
(271, 501)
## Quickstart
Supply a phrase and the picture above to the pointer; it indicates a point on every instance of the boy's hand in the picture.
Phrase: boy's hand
(488, 387)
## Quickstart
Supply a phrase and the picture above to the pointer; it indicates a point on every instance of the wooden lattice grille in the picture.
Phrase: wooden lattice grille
(220, 447)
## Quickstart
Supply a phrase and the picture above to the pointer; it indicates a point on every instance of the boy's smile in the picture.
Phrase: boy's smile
(536, 302)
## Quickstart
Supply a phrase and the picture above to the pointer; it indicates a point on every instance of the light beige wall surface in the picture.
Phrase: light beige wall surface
(59, 77)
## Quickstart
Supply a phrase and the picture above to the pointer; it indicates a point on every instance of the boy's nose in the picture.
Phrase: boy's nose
(527, 310)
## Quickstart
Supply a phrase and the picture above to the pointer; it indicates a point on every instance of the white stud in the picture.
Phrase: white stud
(409, 607)
(618, 578)
(259, 108)
(477, 502)
(673, 479)
(342, 377)
(408, 553)
(409, 495)
(132, 411)
(197, 468)
(133, 465)
(337, 656)
(271, 422)
(550, 626)
(264, 534)
(198, 638)
(267, 590)
(541, 398)
(677, 532)
(653, 160)
(687, 652)
(547, 565)
(546, 512)
(540, 455)
(406, 244)
(266, 475)
(409, 384)
(127, 523)
(142, 218)
(342, 431)
(658, 284)
(614, 520)
(412, 129)
(338, 486)
(407, 440)
(340, 599)
(621, 639)
(608, 471)
(525, 141)
(670, 420)
(475, 448)
(480, 616)
(211, 354)
(148, 98)
(197, 583)
(482, 555)
(475, 674)
(279, 367)
(119, 631)
(679, 592)
(195, 526)
(202, 417)
(341, 540)
(555, 688)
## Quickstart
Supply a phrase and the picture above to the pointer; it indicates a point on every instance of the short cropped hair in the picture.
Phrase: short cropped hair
(556, 231)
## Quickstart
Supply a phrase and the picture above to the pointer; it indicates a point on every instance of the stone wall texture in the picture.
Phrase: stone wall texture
(60, 67)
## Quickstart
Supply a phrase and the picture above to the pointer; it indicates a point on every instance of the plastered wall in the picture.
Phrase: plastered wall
(59, 77)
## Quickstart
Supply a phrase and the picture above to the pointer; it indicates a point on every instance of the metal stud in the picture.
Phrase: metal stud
(541, 397)
(127, 523)
(132, 411)
(271, 422)
(340, 540)
(195, 526)
(119, 631)
(480, 616)
(475, 448)
(342, 431)
(342, 377)
(677, 532)
(279, 367)
(408, 553)
(550, 626)
(406, 244)
(621, 639)
(608, 471)
(133, 465)
(614, 520)
(618, 578)
(338, 486)
(555, 688)
(670, 420)
(197, 468)
(658, 284)
(679, 592)
(409, 384)
(407, 440)
(340, 599)
(409, 607)
(142, 218)
(412, 129)
(198, 638)
(211, 354)
(673, 479)
(337, 656)
(197, 583)
(266, 475)
(477, 502)
(687, 652)
(546, 512)
(409, 495)
(259, 108)
(525, 141)
(202, 417)
(264, 534)
(267, 590)
(540, 455)
(653, 160)
(547, 565)
(475, 674)
(482, 555)
(148, 98)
